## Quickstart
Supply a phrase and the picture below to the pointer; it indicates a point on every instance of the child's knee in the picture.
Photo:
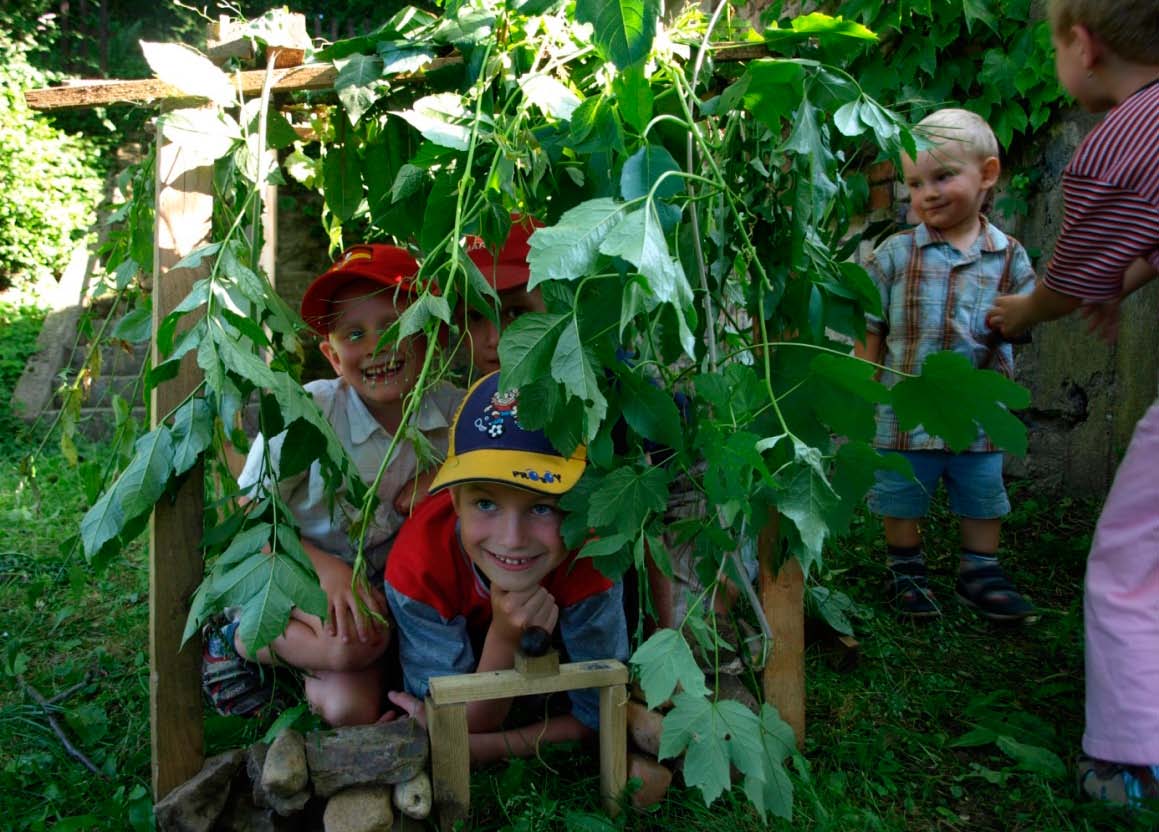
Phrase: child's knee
(344, 699)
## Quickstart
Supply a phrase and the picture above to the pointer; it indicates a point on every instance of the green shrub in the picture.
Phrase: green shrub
(51, 180)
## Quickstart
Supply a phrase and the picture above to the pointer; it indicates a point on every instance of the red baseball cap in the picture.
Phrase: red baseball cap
(506, 268)
(389, 266)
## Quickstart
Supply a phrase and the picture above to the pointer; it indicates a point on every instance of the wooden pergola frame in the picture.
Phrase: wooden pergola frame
(184, 210)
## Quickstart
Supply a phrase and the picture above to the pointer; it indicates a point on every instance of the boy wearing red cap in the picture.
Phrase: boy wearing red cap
(507, 271)
(351, 305)
(482, 559)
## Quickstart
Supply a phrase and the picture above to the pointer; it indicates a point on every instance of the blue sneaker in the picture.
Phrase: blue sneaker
(1135, 787)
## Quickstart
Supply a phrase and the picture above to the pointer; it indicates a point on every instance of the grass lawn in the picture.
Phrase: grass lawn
(951, 725)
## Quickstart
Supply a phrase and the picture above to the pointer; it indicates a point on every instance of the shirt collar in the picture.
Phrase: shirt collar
(363, 424)
(990, 239)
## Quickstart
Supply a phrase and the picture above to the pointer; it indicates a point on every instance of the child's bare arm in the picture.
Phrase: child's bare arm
(1013, 315)
(511, 614)
(870, 349)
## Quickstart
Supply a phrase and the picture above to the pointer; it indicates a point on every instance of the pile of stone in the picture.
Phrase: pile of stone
(344, 780)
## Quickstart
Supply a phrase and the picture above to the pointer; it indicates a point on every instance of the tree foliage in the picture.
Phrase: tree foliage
(698, 229)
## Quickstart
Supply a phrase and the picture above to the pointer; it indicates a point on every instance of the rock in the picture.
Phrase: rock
(284, 772)
(644, 728)
(290, 804)
(196, 805)
(361, 755)
(359, 809)
(254, 763)
(733, 687)
(413, 797)
(656, 779)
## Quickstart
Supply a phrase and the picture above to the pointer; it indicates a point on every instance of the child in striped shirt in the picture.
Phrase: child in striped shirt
(1107, 56)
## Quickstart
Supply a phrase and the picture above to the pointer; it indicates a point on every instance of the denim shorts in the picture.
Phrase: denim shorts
(973, 482)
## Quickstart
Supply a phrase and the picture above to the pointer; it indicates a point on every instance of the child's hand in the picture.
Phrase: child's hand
(407, 705)
(1102, 319)
(345, 618)
(1011, 315)
(513, 612)
(413, 493)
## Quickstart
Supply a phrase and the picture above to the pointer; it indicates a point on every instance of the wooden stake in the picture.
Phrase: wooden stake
(783, 599)
(184, 211)
(613, 746)
(450, 761)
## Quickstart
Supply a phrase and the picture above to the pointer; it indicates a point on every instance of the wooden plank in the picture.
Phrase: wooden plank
(503, 684)
(783, 600)
(613, 746)
(184, 208)
(450, 762)
(249, 83)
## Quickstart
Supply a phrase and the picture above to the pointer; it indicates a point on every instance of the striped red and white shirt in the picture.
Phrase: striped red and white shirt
(1111, 202)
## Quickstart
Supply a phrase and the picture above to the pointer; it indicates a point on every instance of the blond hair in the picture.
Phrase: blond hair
(1129, 28)
(961, 127)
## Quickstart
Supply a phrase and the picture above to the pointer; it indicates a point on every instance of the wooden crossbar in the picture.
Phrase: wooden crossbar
(502, 684)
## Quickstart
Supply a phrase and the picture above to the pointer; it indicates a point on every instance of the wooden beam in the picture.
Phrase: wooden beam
(503, 684)
(783, 600)
(293, 79)
(450, 762)
(613, 746)
(184, 210)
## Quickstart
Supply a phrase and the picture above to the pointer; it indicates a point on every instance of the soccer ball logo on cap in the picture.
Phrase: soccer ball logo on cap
(502, 408)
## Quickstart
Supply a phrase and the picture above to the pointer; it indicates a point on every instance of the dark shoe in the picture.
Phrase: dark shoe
(989, 591)
(1124, 785)
(910, 588)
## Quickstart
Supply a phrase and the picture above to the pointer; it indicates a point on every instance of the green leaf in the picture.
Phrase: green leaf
(820, 27)
(426, 308)
(554, 98)
(651, 411)
(644, 169)
(950, 398)
(662, 662)
(192, 433)
(267, 587)
(633, 96)
(772, 790)
(624, 29)
(1033, 758)
(192, 73)
(101, 523)
(527, 346)
(442, 118)
(774, 91)
(714, 736)
(357, 84)
(639, 239)
(569, 249)
(574, 365)
(602, 547)
(205, 134)
(137, 325)
(342, 180)
(978, 10)
(625, 497)
(806, 500)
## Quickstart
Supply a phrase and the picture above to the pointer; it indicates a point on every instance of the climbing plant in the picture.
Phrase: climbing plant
(698, 231)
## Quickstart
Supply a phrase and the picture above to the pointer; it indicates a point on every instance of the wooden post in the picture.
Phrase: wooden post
(613, 746)
(783, 600)
(183, 223)
(450, 761)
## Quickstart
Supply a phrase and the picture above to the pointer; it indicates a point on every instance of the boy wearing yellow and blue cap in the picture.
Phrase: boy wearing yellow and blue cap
(483, 559)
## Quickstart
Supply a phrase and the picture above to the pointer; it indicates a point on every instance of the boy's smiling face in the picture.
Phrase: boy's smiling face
(363, 310)
(947, 185)
(511, 535)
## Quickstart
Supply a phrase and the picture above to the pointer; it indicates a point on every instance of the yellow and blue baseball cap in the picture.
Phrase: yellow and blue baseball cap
(487, 444)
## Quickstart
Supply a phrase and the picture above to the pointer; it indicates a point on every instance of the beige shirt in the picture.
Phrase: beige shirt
(326, 522)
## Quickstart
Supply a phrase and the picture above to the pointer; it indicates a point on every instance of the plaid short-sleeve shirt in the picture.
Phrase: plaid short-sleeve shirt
(934, 298)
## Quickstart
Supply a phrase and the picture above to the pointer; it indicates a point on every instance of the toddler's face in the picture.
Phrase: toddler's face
(382, 377)
(483, 336)
(511, 535)
(947, 185)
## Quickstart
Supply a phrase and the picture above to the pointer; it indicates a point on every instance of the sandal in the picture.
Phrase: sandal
(989, 591)
(912, 596)
(1131, 786)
